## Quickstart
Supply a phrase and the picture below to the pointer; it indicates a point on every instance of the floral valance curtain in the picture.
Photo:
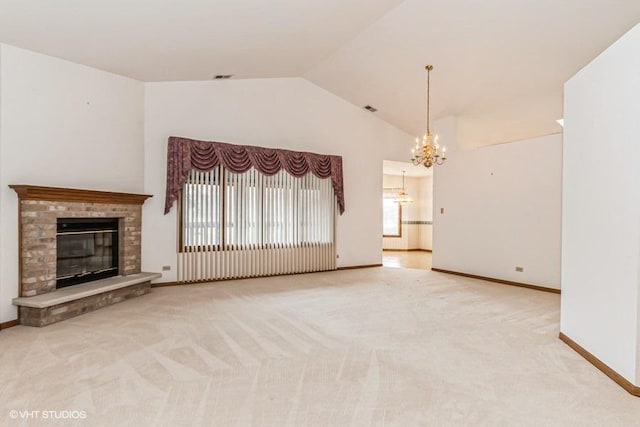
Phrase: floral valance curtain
(184, 154)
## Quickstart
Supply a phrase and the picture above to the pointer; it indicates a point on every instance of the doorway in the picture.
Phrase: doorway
(407, 200)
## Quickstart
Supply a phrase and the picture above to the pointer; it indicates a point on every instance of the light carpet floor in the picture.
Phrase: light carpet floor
(370, 347)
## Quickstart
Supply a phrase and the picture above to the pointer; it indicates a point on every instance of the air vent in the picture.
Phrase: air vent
(370, 108)
(222, 76)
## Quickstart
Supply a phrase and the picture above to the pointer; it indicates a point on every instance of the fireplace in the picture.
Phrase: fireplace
(70, 236)
(87, 250)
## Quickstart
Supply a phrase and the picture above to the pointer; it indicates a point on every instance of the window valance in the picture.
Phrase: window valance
(184, 154)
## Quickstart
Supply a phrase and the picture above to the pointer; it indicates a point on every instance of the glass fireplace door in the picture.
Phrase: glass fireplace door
(87, 249)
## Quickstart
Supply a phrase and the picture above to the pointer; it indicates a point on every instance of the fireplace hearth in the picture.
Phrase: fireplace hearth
(86, 250)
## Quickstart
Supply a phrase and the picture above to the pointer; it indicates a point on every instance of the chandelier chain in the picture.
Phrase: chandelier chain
(429, 68)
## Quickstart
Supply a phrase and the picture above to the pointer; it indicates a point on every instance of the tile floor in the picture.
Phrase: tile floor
(407, 259)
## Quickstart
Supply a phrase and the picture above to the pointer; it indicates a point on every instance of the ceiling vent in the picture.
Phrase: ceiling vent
(222, 76)
(370, 108)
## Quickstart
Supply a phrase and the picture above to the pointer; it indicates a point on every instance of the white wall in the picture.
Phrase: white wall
(289, 113)
(601, 199)
(425, 206)
(413, 236)
(502, 209)
(67, 125)
(4, 289)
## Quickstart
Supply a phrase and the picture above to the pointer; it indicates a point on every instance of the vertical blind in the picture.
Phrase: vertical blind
(248, 223)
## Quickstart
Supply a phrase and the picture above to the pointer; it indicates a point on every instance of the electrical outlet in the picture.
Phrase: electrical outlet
(519, 269)
(166, 268)
(441, 210)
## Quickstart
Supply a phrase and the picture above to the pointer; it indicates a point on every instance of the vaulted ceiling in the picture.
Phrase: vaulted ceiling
(500, 65)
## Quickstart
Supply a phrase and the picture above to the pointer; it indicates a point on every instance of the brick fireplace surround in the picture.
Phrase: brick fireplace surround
(40, 303)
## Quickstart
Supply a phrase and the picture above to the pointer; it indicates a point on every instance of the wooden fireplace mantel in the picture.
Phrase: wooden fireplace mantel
(35, 192)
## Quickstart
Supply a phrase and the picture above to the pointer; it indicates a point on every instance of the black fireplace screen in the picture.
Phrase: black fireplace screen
(87, 250)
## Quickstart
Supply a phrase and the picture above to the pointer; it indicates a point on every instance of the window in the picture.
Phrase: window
(221, 210)
(391, 218)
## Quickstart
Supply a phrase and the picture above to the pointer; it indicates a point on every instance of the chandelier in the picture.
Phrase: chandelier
(428, 153)
(403, 196)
